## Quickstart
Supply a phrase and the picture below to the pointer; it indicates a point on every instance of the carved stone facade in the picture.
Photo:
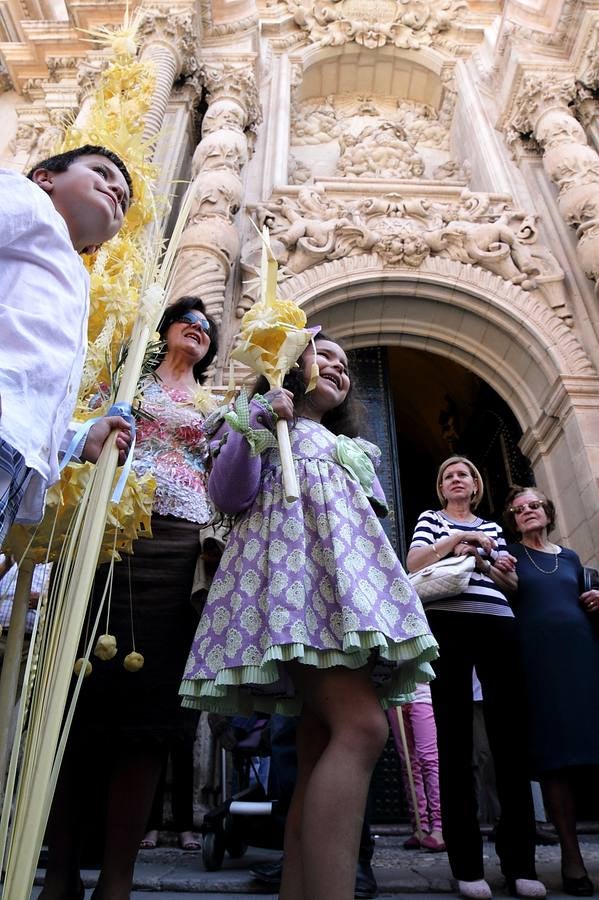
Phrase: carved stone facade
(429, 172)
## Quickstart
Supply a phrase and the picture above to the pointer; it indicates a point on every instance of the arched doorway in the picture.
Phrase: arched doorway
(507, 338)
(423, 408)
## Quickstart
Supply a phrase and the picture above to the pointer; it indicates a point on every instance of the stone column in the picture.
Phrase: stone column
(210, 243)
(168, 41)
(543, 109)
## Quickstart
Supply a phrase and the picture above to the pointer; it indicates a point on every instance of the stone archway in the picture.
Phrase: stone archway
(507, 336)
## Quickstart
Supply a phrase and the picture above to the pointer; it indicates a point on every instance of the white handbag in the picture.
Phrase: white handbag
(446, 578)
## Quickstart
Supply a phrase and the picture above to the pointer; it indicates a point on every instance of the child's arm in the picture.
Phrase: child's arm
(378, 500)
(235, 477)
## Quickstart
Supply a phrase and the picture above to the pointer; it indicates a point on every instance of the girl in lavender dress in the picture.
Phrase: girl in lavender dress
(310, 611)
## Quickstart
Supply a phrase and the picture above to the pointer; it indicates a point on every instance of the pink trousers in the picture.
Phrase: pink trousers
(421, 737)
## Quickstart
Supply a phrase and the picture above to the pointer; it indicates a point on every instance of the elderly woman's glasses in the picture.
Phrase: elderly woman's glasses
(193, 318)
(534, 504)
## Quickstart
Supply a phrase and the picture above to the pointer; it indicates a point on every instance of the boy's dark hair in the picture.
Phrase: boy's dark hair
(172, 314)
(347, 418)
(61, 162)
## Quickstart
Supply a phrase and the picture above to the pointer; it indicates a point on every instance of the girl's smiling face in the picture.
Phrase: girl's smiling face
(333, 383)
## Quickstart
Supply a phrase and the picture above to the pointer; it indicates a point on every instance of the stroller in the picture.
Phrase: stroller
(243, 816)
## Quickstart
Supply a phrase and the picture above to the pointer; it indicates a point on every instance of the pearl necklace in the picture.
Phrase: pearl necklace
(544, 571)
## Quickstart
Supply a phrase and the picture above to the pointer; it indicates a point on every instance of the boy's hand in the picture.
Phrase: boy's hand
(98, 434)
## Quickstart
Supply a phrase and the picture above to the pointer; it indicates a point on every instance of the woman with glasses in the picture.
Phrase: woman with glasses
(476, 628)
(127, 721)
(558, 628)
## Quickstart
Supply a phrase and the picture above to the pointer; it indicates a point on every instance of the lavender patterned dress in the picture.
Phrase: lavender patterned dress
(314, 580)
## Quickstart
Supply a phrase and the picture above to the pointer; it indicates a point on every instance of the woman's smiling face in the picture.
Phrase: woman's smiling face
(190, 338)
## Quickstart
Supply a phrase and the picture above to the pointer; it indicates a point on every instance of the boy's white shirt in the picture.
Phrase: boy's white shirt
(44, 289)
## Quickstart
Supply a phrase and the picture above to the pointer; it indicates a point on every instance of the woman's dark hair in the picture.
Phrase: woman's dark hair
(347, 418)
(510, 519)
(172, 314)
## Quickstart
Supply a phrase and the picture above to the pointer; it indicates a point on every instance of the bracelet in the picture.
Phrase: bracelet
(435, 551)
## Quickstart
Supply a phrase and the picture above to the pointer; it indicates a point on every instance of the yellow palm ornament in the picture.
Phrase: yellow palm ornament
(273, 336)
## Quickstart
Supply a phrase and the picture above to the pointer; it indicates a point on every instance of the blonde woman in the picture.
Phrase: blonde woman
(476, 628)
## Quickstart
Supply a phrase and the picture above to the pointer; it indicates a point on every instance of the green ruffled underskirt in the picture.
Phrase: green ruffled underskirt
(245, 689)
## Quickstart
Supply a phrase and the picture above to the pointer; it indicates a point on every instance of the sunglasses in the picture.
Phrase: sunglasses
(193, 318)
(534, 504)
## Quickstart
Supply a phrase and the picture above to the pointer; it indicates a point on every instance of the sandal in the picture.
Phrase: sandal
(149, 842)
(188, 842)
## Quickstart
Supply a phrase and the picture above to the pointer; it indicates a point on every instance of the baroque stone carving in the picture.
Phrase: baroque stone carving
(380, 152)
(236, 83)
(529, 305)
(314, 227)
(543, 107)
(223, 149)
(323, 119)
(177, 30)
(452, 170)
(298, 172)
(407, 24)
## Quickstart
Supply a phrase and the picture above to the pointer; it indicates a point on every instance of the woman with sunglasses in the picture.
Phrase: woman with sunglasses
(558, 628)
(127, 721)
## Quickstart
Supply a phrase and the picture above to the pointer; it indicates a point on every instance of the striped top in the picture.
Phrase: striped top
(482, 594)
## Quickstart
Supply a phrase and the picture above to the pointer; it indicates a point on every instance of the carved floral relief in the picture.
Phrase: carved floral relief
(407, 24)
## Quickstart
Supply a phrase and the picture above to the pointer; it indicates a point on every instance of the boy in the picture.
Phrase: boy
(68, 204)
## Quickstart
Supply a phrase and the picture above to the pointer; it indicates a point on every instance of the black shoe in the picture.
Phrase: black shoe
(545, 838)
(366, 885)
(268, 873)
(578, 887)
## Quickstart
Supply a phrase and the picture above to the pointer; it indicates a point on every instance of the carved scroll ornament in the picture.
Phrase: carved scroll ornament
(407, 24)
(312, 227)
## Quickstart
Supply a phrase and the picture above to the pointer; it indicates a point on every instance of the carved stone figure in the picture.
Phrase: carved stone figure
(223, 114)
(452, 170)
(298, 171)
(223, 149)
(382, 152)
(478, 230)
(315, 123)
(217, 194)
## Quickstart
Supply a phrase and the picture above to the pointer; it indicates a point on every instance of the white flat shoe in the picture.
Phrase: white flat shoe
(474, 890)
(527, 887)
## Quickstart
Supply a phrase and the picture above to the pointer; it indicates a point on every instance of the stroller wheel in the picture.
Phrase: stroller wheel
(213, 850)
(234, 843)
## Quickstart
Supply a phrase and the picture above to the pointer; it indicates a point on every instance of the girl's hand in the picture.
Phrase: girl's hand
(281, 401)
(590, 601)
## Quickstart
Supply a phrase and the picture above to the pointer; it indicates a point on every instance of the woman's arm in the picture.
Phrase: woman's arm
(419, 557)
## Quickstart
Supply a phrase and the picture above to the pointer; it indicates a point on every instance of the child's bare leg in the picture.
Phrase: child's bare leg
(346, 704)
(311, 739)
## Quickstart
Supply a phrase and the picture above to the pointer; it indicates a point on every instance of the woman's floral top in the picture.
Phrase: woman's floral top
(172, 447)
